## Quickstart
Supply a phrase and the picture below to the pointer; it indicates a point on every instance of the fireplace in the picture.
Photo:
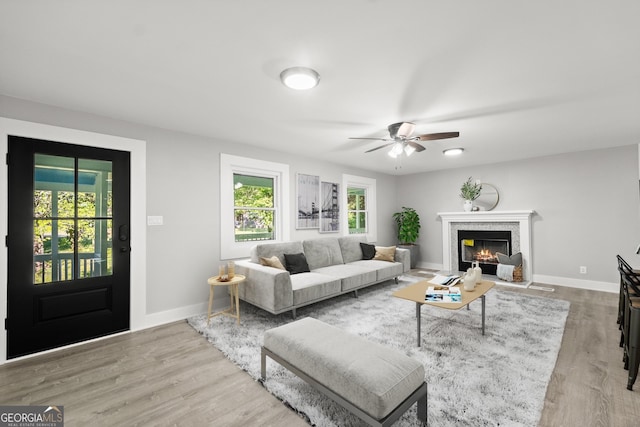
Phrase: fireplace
(518, 222)
(481, 246)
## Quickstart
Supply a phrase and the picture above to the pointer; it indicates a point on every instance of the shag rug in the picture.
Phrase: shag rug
(499, 379)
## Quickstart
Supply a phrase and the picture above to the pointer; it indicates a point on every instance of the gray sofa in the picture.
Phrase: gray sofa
(336, 267)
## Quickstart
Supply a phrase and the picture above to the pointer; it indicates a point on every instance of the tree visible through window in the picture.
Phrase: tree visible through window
(254, 208)
(357, 210)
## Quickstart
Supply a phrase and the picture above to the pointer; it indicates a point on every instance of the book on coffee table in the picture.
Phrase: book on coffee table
(443, 294)
(447, 281)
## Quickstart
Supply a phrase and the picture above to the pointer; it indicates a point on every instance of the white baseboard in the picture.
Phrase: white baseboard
(429, 265)
(168, 316)
(590, 285)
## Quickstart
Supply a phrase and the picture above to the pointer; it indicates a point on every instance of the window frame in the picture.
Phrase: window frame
(369, 186)
(230, 165)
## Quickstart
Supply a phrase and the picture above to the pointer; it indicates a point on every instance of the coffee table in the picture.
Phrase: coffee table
(417, 291)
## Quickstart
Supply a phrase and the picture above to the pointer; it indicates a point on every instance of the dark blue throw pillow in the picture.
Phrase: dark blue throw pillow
(368, 251)
(296, 263)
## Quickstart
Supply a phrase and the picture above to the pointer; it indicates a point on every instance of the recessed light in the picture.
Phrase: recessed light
(300, 78)
(453, 151)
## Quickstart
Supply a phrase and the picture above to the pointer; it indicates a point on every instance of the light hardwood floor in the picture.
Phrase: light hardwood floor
(170, 375)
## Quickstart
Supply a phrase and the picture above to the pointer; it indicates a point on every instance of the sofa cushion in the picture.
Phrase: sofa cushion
(351, 276)
(309, 287)
(384, 269)
(322, 252)
(368, 251)
(296, 263)
(274, 261)
(385, 253)
(350, 247)
(267, 250)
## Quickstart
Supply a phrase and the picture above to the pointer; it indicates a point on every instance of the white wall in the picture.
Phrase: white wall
(586, 203)
(182, 184)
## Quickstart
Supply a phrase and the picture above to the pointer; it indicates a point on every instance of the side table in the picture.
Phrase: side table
(233, 292)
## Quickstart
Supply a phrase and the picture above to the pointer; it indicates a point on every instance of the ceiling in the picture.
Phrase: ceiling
(516, 79)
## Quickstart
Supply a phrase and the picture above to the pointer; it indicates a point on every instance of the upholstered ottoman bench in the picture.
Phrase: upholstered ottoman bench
(375, 383)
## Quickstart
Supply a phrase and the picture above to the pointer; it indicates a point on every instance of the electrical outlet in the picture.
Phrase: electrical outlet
(583, 269)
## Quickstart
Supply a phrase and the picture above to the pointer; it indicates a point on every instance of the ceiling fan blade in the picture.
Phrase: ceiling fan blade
(382, 146)
(375, 139)
(435, 136)
(406, 129)
(416, 146)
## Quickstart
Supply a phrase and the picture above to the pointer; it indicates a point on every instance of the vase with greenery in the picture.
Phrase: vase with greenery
(469, 192)
(408, 222)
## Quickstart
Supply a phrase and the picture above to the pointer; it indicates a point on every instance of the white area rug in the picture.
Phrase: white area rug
(498, 379)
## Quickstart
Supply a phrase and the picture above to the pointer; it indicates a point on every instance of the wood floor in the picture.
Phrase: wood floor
(170, 375)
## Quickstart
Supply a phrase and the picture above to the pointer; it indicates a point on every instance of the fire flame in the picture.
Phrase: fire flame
(485, 256)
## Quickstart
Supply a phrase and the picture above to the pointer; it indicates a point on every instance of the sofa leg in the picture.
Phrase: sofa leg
(293, 313)
(355, 293)
(395, 279)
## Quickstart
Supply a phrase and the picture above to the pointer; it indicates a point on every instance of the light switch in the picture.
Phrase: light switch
(154, 220)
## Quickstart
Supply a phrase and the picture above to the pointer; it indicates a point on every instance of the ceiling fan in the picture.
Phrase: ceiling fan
(401, 139)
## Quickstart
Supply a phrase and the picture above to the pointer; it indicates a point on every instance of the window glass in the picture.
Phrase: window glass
(357, 211)
(254, 208)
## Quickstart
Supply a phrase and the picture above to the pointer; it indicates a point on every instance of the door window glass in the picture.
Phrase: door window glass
(72, 205)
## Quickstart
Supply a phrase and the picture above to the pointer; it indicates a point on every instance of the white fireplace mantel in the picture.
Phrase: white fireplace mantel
(522, 218)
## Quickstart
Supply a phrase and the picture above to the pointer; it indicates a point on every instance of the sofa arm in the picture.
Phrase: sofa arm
(403, 256)
(266, 287)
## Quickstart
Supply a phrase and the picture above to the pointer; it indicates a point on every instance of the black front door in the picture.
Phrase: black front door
(68, 244)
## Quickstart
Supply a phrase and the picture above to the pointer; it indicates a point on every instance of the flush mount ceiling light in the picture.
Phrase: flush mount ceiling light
(300, 78)
(453, 151)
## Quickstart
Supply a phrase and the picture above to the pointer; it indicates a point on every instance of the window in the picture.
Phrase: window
(253, 208)
(254, 204)
(360, 199)
(357, 210)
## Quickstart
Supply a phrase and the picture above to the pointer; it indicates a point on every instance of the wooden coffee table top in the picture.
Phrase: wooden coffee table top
(417, 291)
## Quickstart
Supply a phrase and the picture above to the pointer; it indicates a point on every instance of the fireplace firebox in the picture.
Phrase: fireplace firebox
(482, 245)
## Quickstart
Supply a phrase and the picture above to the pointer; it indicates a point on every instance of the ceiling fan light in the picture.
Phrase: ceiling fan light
(300, 78)
(409, 150)
(405, 129)
(453, 151)
(396, 150)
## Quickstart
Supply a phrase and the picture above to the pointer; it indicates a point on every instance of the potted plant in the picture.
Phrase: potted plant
(469, 192)
(408, 222)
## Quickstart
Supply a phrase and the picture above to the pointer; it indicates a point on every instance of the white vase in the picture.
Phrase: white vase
(478, 272)
(469, 282)
(468, 205)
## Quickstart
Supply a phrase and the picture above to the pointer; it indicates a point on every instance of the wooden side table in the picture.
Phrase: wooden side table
(233, 292)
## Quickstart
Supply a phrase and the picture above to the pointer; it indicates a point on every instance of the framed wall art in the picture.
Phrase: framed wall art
(307, 204)
(330, 207)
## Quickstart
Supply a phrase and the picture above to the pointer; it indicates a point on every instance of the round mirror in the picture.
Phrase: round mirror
(488, 198)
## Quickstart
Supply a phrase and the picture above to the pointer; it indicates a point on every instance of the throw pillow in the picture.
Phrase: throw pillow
(385, 253)
(368, 251)
(515, 259)
(296, 263)
(274, 261)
